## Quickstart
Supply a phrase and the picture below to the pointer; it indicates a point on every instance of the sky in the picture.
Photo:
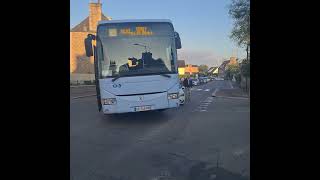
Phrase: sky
(204, 25)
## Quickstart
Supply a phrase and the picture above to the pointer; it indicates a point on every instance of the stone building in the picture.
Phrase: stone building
(223, 67)
(80, 65)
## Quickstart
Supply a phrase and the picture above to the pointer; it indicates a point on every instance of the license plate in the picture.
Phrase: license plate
(142, 108)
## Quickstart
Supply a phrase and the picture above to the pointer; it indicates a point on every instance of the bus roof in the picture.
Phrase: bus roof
(134, 20)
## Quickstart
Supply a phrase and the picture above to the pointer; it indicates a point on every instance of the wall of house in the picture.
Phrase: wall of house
(181, 71)
(79, 62)
(76, 78)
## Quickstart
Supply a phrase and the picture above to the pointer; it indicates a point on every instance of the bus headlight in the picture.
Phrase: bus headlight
(173, 96)
(109, 101)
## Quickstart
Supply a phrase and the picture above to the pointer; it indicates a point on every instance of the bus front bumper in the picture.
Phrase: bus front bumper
(139, 103)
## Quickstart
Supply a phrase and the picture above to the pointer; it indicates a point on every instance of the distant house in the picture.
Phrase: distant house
(184, 68)
(181, 67)
(213, 70)
(223, 66)
(191, 69)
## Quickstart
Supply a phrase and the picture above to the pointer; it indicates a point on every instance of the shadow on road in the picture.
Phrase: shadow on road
(138, 118)
(181, 167)
(201, 171)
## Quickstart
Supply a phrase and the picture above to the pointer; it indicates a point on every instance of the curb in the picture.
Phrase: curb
(77, 97)
(230, 97)
(79, 86)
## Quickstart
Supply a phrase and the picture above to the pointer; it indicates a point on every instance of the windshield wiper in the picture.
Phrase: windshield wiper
(155, 73)
(117, 77)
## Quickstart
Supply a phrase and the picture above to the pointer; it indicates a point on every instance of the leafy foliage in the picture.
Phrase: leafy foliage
(203, 69)
(239, 10)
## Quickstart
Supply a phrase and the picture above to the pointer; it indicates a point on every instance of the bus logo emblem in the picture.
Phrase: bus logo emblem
(117, 85)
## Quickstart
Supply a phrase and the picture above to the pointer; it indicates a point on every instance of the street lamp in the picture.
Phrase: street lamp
(145, 47)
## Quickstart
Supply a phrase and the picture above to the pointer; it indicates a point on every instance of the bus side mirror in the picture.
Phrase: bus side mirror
(177, 40)
(88, 44)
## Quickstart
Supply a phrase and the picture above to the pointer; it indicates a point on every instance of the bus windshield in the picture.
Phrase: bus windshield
(136, 49)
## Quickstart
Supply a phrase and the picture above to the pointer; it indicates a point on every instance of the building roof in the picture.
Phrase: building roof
(84, 25)
(191, 65)
(181, 63)
(212, 69)
(191, 68)
(136, 20)
(224, 63)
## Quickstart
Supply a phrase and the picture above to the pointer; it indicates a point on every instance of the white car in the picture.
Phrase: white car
(195, 82)
(182, 97)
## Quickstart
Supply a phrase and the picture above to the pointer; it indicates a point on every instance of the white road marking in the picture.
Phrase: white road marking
(230, 85)
(204, 105)
(199, 89)
(207, 90)
(206, 102)
(215, 91)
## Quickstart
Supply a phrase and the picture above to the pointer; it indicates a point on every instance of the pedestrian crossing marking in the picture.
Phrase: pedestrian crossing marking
(206, 90)
(204, 105)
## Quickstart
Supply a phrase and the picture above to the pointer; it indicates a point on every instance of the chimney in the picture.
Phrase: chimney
(95, 14)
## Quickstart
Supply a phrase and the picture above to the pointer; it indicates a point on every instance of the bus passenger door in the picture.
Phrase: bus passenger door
(96, 75)
(89, 53)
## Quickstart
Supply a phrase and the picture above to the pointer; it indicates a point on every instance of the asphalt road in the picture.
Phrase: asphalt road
(208, 138)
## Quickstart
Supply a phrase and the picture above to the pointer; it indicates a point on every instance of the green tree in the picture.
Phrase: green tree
(203, 69)
(239, 10)
(232, 70)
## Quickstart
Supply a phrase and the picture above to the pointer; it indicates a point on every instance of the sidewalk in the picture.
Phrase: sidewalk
(235, 91)
(79, 86)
